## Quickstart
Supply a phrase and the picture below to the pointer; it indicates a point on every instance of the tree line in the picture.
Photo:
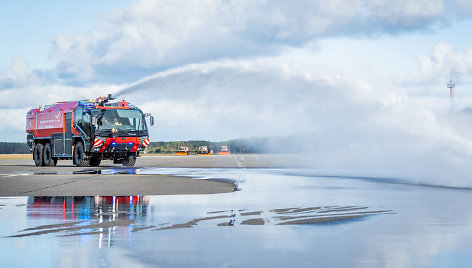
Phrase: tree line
(288, 144)
(14, 148)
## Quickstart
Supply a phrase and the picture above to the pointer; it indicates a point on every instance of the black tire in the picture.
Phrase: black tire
(95, 161)
(129, 161)
(38, 154)
(48, 159)
(80, 159)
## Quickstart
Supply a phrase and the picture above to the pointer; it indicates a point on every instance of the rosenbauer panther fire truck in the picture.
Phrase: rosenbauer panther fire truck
(87, 132)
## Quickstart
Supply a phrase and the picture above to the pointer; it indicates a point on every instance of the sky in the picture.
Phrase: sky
(350, 77)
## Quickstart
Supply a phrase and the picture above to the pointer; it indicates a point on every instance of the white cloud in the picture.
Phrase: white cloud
(151, 35)
(442, 65)
(13, 122)
(407, 13)
(463, 7)
(20, 75)
(154, 35)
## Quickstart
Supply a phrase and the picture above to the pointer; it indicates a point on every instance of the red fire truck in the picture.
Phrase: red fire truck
(87, 131)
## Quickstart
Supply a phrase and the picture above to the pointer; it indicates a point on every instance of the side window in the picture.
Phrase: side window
(78, 114)
(86, 123)
(83, 119)
(86, 117)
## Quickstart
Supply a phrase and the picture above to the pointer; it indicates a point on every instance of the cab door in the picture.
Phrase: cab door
(68, 135)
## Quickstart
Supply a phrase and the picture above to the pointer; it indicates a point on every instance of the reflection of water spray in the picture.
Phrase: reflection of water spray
(242, 172)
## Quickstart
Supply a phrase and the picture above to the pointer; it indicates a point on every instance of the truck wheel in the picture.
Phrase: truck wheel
(38, 154)
(129, 161)
(80, 159)
(48, 160)
(95, 161)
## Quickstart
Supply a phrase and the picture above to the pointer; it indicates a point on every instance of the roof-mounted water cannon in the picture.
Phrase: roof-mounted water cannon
(102, 100)
(108, 98)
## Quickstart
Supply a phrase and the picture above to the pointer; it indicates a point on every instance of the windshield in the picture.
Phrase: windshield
(128, 120)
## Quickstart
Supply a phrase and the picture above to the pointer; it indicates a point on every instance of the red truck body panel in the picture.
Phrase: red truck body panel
(50, 120)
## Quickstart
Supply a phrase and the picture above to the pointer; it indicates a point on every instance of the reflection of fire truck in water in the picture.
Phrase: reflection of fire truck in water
(86, 207)
(87, 132)
(89, 214)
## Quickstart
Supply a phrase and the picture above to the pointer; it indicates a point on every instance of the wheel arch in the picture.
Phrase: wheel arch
(42, 140)
(77, 139)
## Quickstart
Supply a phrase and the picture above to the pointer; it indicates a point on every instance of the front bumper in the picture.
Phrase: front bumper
(110, 145)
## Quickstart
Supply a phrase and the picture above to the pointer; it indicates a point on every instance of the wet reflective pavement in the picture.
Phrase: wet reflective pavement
(278, 217)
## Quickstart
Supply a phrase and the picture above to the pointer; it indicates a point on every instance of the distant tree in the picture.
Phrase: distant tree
(14, 148)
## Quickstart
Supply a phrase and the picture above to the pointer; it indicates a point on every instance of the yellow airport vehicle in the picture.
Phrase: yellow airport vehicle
(203, 150)
(224, 150)
(182, 151)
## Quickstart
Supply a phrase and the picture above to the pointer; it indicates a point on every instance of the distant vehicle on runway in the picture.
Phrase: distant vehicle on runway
(224, 150)
(87, 132)
(203, 150)
(182, 151)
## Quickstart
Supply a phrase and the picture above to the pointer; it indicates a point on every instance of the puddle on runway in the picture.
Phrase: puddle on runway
(88, 215)
(276, 219)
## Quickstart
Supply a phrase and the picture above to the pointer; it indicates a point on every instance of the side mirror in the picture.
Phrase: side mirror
(94, 120)
(151, 120)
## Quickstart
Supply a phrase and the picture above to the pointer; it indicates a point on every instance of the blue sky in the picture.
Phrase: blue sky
(228, 69)
(28, 27)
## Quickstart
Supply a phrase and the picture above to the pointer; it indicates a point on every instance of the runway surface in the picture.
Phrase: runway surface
(19, 177)
(272, 211)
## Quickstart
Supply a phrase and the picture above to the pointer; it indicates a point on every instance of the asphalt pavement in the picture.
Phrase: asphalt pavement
(20, 177)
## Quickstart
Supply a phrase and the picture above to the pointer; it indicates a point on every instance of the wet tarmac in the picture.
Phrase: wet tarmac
(276, 217)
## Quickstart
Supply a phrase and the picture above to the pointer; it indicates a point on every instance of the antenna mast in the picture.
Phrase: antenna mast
(451, 86)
